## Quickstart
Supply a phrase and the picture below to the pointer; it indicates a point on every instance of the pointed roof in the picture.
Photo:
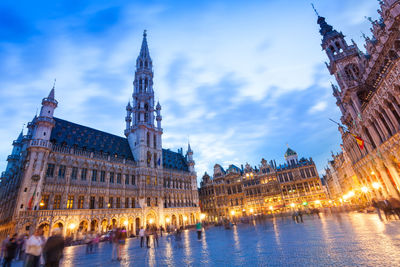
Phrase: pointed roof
(144, 50)
(20, 136)
(189, 149)
(290, 152)
(158, 107)
(51, 94)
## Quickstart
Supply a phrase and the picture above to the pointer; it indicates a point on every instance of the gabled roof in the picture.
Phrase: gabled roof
(290, 152)
(72, 134)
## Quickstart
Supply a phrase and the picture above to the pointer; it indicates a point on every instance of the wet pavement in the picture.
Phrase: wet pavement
(353, 239)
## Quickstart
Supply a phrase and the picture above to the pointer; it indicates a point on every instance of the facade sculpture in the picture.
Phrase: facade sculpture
(368, 96)
(62, 174)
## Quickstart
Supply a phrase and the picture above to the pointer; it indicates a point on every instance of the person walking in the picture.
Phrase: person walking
(155, 236)
(376, 206)
(147, 233)
(10, 251)
(3, 247)
(141, 234)
(199, 230)
(395, 203)
(121, 242)
(33, 249)
(114, 241)
(53, 249)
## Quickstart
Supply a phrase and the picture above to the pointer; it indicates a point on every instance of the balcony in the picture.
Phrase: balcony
(13, 157)
(39, 143)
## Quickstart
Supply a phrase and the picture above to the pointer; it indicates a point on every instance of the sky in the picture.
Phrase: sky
(240, 80)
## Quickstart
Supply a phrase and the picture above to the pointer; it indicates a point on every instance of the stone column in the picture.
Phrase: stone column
(382, 171)
(393, 119)
(382, 127)
(388, 121)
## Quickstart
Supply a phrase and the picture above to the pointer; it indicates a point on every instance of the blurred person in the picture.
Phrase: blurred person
(147, 233)
(53, 249)
(114, 241)
(33, 249)
(199, 230)
(141, 234)
(3, 247)
(10, 251)
(155, 236)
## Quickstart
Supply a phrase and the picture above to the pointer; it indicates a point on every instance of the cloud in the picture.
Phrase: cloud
(318, 107)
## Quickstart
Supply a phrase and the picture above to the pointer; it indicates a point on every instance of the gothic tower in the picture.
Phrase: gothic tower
(143, 136)
(346, 64)
(38, 151)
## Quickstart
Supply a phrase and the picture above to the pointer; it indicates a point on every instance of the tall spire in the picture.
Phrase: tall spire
(144, 50)
(51, 94)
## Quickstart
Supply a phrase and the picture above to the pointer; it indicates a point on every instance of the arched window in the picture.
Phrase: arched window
(140, 85)
(155, 141)
(352, 71)
(148, 139)
(141, 64)
(146, 64)
(146, 84)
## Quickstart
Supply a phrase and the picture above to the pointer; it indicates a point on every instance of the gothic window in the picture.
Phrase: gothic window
(57, 202)
(94, 175)
(146, 84)
(101, 202)
(307, 172)
(155, 141)
(148, 202)
(50, 170)
(81, 200)
(140, 86)
(74, 173)
(83, 174)
(146, 64)
(111, 202)
(61, 172)
(148, 158)
(118, 202)
(92, 202)
(102, 176)
(148, 139)
(133, 180)
(44, 203)
(133, 203)
(127, 202)
(141, 64)
(155, 160)
(111, 177)
(126, 178)
(119, 178)
(148, 180)
(352, 71)
(70, 202)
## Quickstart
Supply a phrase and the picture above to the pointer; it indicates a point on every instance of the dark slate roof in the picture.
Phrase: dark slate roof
(290, 152)
(174, 160)
(72, 134)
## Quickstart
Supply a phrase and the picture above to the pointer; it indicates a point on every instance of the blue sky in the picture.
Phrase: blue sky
(240, 81)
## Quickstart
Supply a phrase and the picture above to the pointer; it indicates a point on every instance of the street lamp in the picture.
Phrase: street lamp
(71, 226)
(376, 185)
(126, 223)
(167, 220)
(292, 205)
(232, 212)
(364, 189)
(151, 221)
(251, 210)
(318, 202)
(202, 216)
(271, 208)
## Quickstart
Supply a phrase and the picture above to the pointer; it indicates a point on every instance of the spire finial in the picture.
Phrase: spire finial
(54, 84)
(145, 33)
(315, 10)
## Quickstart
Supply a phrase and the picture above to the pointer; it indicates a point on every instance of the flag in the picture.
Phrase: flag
(359, 140)
(31, 200)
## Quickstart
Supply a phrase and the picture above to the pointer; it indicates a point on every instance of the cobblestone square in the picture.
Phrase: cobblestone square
(353, 239)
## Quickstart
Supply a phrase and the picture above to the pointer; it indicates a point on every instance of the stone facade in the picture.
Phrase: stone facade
(369, 98)
(62, 174)
(265, 189)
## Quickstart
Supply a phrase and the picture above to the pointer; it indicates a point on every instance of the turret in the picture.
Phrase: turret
(189, 158)
(143, 137)
(291, 156)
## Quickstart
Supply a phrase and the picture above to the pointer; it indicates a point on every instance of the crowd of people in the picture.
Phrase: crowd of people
(34, 251)
(390, 208)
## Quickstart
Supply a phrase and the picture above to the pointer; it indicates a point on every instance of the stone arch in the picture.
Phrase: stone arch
(94, 225)
(151, 218)
(83, 226)
(192, 218)
(137, 224)
(174, 220)
(180, 219)
(58, 224)
(104, 225)
(113, 223)
(45, 226)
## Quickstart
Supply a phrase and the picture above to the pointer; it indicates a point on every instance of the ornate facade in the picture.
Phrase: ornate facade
(265, 189)
(62, 174)
(369, 98)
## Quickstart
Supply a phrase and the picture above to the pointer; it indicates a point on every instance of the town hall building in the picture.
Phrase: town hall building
(62, 174)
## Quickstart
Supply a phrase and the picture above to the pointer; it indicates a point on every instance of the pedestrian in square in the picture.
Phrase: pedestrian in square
(34, 246)
(199, 230)
(141, 234)
(155, 236)
(147, 233)
(53, 249)
(10, 251)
